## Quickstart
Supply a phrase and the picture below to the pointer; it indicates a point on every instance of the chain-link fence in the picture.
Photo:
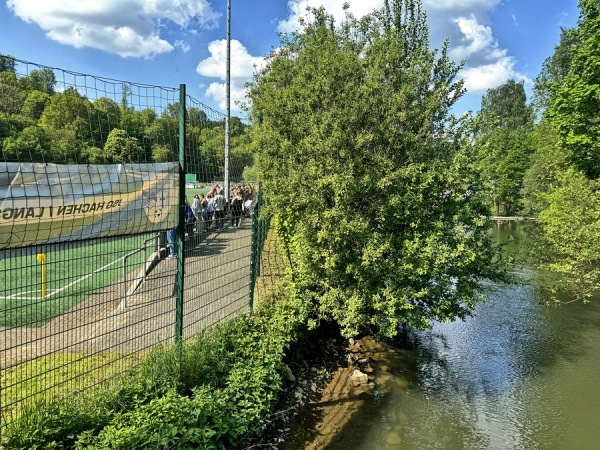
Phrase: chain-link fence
(115, 233)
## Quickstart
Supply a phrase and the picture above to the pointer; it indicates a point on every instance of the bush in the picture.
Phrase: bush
(213, 392)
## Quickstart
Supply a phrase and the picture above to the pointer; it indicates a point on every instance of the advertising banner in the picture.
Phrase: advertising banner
(46, 203)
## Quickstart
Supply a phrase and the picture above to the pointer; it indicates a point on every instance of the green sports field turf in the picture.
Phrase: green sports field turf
(73, 273)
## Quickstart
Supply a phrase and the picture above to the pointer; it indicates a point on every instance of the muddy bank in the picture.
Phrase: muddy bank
(368, 368)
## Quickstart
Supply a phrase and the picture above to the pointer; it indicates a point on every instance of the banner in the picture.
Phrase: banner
(45, 203)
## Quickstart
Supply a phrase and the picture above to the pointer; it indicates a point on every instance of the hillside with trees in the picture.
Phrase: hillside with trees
(39, 123)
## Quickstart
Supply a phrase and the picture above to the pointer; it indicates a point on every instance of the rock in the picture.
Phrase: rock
(288, 374)
(393, 439)
(351, 359)
(351, 341)
(368, 369)
(359, 378)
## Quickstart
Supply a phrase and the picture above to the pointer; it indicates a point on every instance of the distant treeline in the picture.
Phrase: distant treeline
(42, 120)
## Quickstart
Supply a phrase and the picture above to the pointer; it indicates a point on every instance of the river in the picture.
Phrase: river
(516, 375)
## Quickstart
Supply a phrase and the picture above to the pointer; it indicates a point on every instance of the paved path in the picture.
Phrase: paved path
(216, 287)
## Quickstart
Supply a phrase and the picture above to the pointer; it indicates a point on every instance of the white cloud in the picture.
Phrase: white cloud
(478, 38)
(217, 91)
(184, 46)
(483, 77)
(487, 66)
(297, 10)
(243, 66)
(460, 5)
(129, 28)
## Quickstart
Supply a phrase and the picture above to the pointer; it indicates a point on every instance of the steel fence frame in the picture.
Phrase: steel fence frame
(144, 302)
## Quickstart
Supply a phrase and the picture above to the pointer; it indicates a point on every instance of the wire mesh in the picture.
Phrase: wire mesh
(90, 170)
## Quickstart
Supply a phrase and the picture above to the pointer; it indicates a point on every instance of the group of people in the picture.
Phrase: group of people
(207, 213)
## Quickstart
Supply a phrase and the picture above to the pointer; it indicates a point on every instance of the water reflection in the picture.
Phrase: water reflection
(517, 375)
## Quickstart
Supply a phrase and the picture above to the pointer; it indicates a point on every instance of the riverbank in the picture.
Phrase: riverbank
(327, 394)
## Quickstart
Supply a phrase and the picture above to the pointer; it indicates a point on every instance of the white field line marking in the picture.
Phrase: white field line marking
(20, 296)
(83, 278)
(54, 292)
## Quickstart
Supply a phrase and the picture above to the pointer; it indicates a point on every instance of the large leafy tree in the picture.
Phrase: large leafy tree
(121, 148)
(7, 64)
(546, 164)
(568, 245)
(31, 144)
(567, 161)
(555, 68)
(505, 122)
(42, 80)
(574, 108)
(368, 173)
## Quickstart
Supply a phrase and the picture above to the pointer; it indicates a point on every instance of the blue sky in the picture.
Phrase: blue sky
(168, 42)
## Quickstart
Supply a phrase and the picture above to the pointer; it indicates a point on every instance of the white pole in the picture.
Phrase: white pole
(228, 89)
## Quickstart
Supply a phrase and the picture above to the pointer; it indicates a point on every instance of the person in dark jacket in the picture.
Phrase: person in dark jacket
(237, 206)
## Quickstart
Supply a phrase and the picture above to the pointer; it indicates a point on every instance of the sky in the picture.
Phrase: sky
(169, 42)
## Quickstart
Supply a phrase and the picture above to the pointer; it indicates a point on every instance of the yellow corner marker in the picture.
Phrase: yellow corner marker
(41, 258)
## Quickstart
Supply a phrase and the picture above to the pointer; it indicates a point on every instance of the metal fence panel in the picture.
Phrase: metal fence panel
(85, 297)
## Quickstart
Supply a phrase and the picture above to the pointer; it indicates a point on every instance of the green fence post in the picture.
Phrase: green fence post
(254, 254)
(181, 224)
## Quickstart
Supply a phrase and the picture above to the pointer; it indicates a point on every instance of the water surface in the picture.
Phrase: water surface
(516, 375)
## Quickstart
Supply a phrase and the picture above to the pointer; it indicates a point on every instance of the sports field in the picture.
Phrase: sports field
(72, 273)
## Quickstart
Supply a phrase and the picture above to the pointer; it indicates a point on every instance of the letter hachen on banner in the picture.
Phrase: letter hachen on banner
(46, 203)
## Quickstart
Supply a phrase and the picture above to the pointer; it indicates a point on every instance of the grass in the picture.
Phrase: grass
(54, 375)
(189, 193)
(72, 275)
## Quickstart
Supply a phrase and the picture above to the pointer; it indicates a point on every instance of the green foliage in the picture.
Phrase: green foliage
(547, 162)
(505, 107)
(172, 421)
(571, 232)
(213, 392)
(35, 103)
(503, 142)
(30, 144)
(555, 68)
(251, 173)
(7, 64)
(11, 98)
(574, 107)
(560, 184)
(77, 130)
(380, 213)
(121, 148)
(42, 80)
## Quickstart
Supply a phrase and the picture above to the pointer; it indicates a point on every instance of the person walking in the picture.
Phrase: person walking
(237, 206)
(197, 207)
(203, 211)
(172, 243)
(220, 208)
(210, 211)
(189, 219)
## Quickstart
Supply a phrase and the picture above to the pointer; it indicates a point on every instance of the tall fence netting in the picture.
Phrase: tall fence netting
(113, 238)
